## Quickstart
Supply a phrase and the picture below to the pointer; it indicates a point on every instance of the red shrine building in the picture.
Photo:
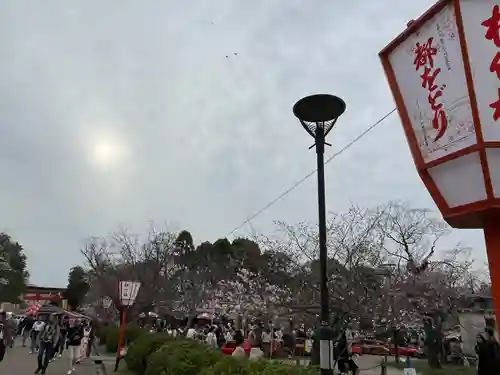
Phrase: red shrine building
(43, 294)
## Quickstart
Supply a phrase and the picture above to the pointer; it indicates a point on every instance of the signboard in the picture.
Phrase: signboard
(410, 371)
(430, 73)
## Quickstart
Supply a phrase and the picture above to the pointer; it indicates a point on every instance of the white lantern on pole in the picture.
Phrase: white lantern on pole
(106, 302)
(128, 292)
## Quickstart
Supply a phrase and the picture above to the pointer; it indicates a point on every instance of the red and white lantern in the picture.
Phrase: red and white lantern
(444, 73)
(128, 292)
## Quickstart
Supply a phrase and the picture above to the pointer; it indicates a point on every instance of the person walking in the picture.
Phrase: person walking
(267, 342)
(35, 332)
(11, 326)
(63, 332)
(7, 331)
(85, 340)
(74, 340)
(26, 326)
(343, 356)
(47, 342)
(91, 342)
(3, 346)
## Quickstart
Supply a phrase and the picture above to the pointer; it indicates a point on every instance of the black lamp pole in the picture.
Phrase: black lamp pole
(318, 114)
(323, 251)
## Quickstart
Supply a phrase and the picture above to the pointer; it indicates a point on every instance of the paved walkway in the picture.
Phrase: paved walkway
(18, 361)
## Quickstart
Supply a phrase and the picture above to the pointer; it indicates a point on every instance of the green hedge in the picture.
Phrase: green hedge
(157, 354)
(182, 357)
(139, 351)
(235, 366)
(111, 335)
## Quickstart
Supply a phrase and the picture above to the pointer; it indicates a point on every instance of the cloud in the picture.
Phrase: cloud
(209, 139)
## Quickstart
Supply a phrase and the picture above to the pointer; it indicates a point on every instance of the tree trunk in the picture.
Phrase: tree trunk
(396, 344)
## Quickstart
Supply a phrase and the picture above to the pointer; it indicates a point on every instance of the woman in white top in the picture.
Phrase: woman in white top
(85, 341)
(191, 333)
(239, 351)
(211, 338)
(35, 331)
(266, 342)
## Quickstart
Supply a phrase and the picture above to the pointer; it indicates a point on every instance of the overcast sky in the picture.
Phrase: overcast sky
(124, 112)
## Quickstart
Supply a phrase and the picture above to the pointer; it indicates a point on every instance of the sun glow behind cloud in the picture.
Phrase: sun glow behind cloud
(107, 150)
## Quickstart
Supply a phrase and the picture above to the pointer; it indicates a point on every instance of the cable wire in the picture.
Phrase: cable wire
(303, 179)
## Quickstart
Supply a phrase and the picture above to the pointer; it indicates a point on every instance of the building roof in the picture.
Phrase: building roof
(31, 287)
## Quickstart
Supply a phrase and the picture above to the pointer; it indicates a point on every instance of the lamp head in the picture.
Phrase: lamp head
(319, 112)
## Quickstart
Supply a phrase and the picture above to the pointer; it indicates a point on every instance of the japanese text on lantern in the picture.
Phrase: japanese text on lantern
(424, 58)
(492, 25)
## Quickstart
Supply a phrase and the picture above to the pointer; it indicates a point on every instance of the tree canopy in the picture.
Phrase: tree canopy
(389, 251)
(77, 288)
(13, 270)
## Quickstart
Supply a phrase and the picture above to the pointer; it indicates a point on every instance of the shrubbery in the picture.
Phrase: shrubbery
(111, 339)
(236, 366)
(111, 335)
(157, 354)
(182, 357)
(139, 351)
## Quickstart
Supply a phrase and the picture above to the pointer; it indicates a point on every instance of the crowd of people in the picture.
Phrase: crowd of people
(218, 333)
(257, 341)
(48, 336)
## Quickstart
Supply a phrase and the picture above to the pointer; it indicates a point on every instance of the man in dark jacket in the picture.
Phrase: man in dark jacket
(47, 342)
(74, 338)
(488, 353)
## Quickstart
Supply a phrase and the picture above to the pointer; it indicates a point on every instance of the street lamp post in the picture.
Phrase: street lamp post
(445, 82)
(128, 291)
(318, 114)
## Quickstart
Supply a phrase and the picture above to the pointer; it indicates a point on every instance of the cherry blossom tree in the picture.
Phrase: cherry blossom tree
(249, 293)
(354, 249)
(123, 256)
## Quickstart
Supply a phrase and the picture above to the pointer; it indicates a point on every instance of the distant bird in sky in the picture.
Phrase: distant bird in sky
(234, 53)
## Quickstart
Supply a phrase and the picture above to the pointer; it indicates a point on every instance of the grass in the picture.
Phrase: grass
(423, 368)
